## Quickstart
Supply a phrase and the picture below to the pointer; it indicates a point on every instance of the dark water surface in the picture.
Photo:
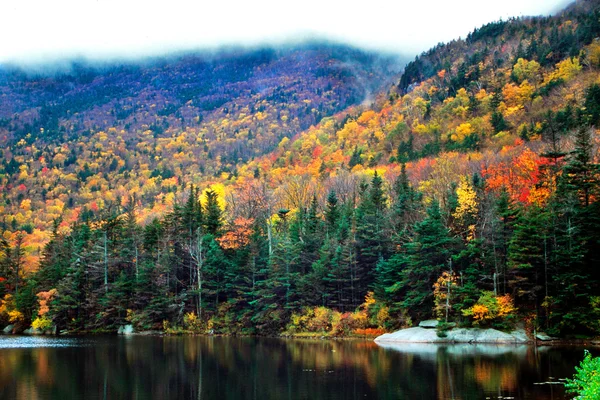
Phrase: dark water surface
(145, 367)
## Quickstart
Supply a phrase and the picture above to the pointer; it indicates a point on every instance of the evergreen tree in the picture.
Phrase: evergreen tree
(212, 213)
(419, 264)
(581, 173)
(332, 213)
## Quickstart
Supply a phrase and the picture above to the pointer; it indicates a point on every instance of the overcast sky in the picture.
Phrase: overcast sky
(56, 29)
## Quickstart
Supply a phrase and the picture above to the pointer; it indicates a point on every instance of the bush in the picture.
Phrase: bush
(586, 380)
(42, 323)
(343, 324)
(191, 322)
(369, 332)
(8, 312)
(497, 311)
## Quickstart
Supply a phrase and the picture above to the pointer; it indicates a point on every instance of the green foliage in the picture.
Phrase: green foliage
(586, 380)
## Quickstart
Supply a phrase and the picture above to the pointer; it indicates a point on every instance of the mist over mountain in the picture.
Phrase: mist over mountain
(187, 117)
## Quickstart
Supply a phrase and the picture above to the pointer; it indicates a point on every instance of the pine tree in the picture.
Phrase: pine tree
(527, 259)
(418, 264)
(332, 213)
(213, 215)
(371, 241)
(582, 174)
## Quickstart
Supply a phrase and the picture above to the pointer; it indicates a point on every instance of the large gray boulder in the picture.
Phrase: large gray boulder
(456, 335)
(125, 330)
(32, 331)
(53, 330)
(8, 329)
(429, 324)
(543, 337)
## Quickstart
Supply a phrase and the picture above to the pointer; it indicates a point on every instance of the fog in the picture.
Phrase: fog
(38, 31)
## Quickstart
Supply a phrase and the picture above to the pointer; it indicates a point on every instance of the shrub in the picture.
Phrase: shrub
(8, 311)
(368, 332)
(139, 320)
(492, 310)
(321, 321)
(192, 322)
(42, 323)
(586, 380)
(343, 324)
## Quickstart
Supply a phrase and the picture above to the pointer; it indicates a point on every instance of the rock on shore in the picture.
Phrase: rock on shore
(456, 335)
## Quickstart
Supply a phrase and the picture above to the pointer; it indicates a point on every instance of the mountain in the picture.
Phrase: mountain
(82, 135)
(464, 190)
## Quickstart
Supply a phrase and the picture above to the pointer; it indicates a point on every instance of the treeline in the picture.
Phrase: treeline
(474, 256)
(546, 40)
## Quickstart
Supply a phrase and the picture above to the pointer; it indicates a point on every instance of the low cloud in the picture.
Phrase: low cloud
(107, 29)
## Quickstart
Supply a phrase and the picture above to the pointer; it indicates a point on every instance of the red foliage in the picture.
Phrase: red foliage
(317, 151)
(369, 332)
(22, 187)
(519, 176)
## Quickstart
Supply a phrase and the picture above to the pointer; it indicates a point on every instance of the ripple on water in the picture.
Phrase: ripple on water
(24, 342)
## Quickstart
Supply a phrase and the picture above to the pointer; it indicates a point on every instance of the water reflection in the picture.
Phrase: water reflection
(249, 368)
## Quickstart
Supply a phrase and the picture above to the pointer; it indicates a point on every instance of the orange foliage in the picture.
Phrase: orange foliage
(520, 177)
(238, 236)
(480, 312)
(369, 331)
(43, 299)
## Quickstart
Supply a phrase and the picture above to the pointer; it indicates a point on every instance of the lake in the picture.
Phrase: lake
(154, 367)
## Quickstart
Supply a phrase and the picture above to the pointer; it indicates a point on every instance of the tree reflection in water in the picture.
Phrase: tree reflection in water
(144, 367)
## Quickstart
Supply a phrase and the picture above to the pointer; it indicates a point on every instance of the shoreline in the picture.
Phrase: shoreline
(476, 336)
(380, 340)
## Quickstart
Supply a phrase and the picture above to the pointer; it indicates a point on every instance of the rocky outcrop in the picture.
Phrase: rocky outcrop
(125, 330)
(429, 324)
(8, 329)
(544, 338)
(456, 335)
(32, 331)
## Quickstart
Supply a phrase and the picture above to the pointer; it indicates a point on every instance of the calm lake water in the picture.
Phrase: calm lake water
(256, 368)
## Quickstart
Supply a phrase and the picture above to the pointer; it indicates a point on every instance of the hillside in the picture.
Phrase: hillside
(74, 139)
(467, 191)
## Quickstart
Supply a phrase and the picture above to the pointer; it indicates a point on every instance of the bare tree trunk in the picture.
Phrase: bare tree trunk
(196, 253)
(270, 237)
(105, 263)
(137, 271)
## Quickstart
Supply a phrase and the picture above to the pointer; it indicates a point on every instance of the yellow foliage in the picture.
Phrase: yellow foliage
(383, 315)
(420, 129)
(593, 54)
(283, 143)
(566, 70)
(480, 312)
(462, 131)
(505, 305)
(366, 117)
(490, 307)
(526, 70)
(467, 199)
(26, 204)
(42, 323)
(219, 189)
(421, 105)
(445, 283)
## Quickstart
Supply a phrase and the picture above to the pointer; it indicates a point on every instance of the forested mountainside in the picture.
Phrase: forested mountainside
(84, 135)
(468, 192)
